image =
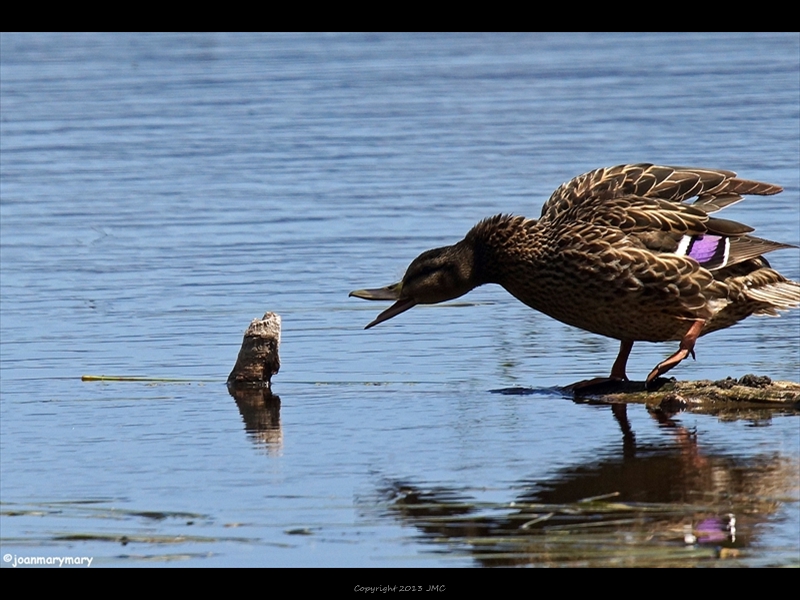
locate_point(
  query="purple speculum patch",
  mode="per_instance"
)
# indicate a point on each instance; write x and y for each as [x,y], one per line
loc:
[708,250]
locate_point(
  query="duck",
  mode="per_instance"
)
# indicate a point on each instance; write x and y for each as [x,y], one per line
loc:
[620,252]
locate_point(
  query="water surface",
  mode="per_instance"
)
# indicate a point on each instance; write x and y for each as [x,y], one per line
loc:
[157,192]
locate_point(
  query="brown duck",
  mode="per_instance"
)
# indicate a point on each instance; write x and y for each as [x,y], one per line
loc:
[617,252]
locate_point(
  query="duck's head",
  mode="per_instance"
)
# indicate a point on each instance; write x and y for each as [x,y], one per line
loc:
[434,276]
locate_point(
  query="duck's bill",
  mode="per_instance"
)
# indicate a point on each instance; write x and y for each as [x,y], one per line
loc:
[394,310]
[390,292]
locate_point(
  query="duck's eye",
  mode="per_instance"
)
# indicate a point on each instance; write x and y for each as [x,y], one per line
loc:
[421,273]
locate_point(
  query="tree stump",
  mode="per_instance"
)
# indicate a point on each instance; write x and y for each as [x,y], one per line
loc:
[258,358]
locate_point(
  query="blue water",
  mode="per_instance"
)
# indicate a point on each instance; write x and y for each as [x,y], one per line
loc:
[157,192]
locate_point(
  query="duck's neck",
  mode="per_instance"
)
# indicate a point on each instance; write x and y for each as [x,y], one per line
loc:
[500,245]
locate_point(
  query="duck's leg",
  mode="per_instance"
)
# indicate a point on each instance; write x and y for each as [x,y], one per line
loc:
[617,370]
[686,348]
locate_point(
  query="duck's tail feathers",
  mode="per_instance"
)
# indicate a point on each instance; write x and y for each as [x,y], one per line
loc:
[780,295]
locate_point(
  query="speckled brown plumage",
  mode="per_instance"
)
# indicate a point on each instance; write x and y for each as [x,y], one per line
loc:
[618,252]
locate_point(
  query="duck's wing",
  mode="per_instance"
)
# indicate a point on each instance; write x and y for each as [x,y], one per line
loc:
[646,203]
[714,188]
